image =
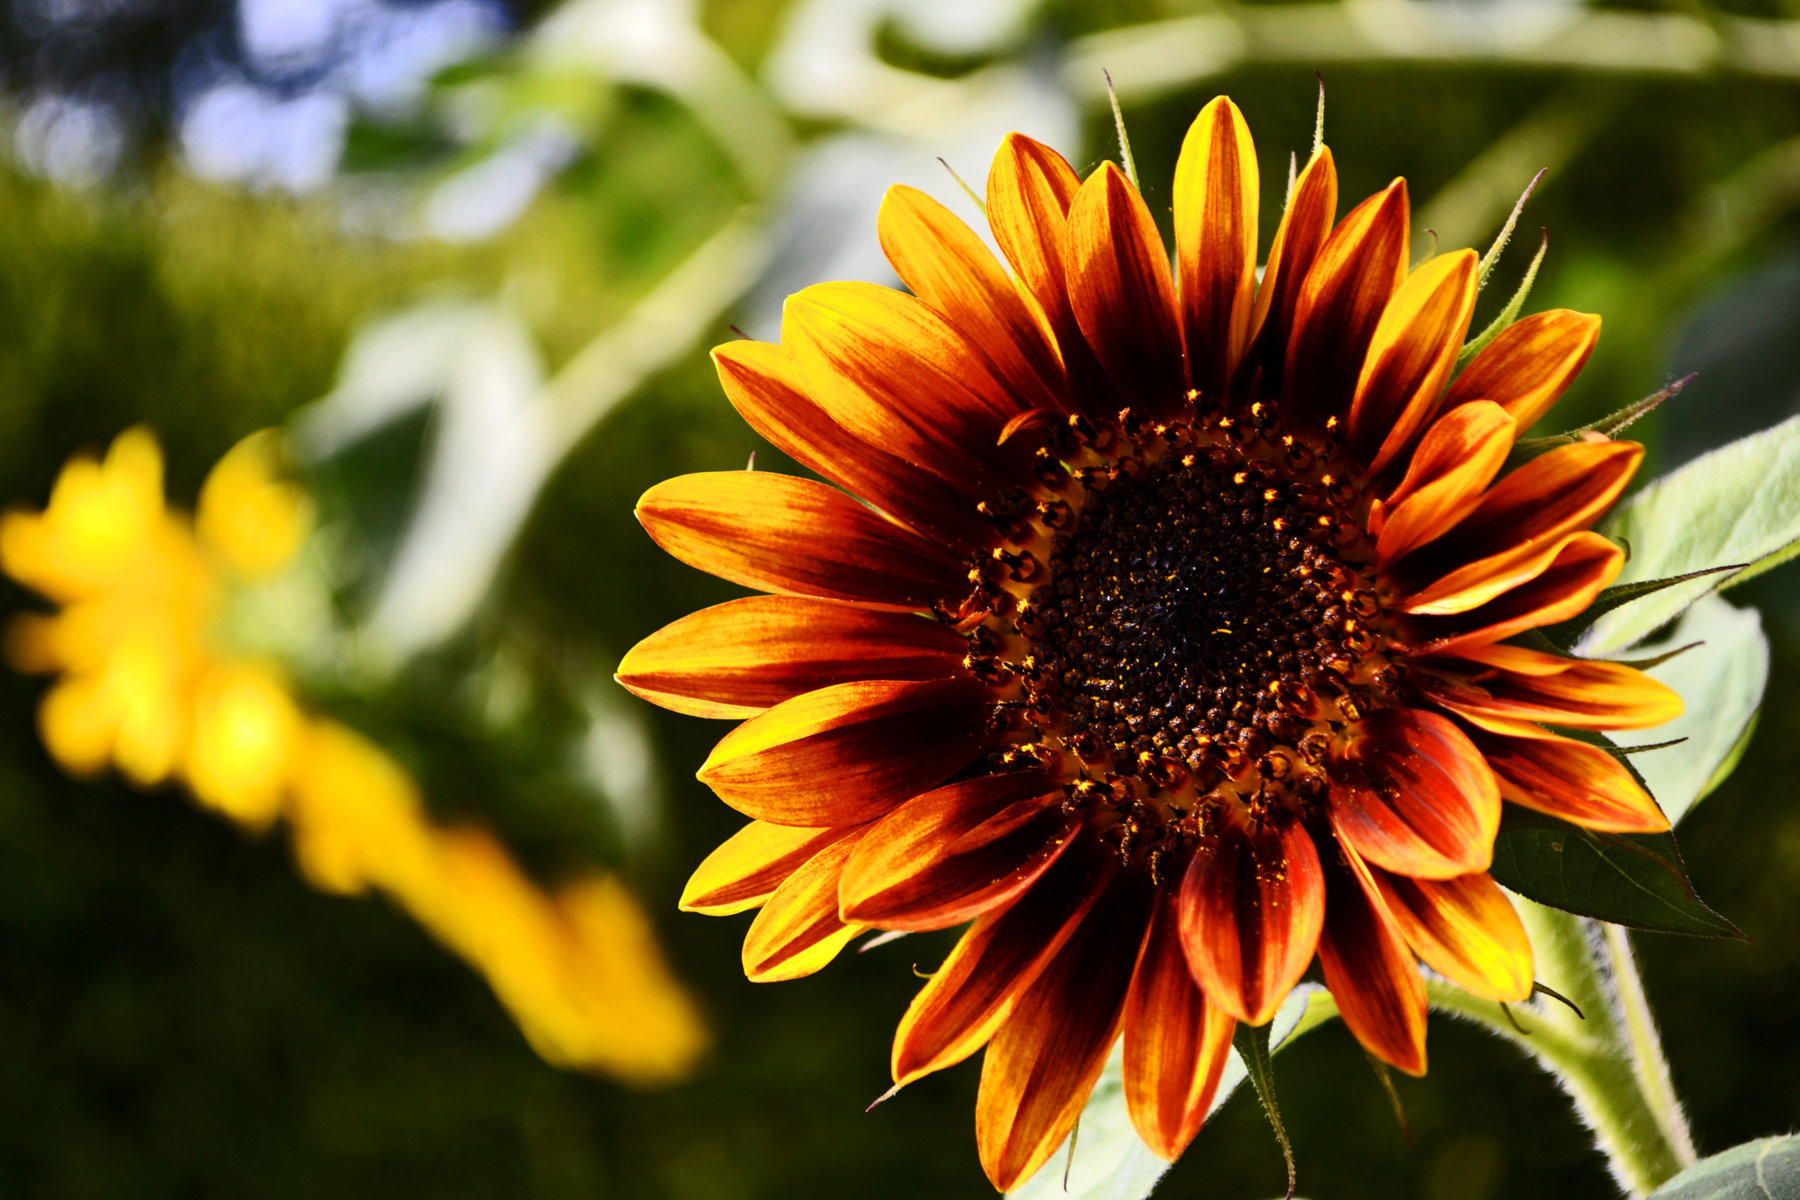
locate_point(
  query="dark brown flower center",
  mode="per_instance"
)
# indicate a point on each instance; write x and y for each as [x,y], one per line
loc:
[1185,617]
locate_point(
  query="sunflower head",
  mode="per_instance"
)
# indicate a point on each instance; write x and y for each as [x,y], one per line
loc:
[1172,626]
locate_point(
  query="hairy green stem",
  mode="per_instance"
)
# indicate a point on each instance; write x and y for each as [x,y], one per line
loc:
[1609,1059]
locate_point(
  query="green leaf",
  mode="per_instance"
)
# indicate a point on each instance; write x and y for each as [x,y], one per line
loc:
[1110,1162]
[1721,681]
[1739,504]
[1768,1169]
[1628,879]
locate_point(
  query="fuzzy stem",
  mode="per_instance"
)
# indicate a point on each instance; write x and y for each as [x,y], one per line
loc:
[1611,1063]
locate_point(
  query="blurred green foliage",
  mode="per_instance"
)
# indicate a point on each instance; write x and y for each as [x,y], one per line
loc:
[181,1016]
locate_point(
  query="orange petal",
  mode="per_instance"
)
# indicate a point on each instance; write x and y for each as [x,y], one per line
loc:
[777,533]
[1215,241]
[899,375]
[980,983]
[765,386]
[1122,292]
[1528,685]
[1044,1061]
[798,930]
[739,658]
[1368,968]
[1518,529]
[1530,365]
[849,753]
[1569,779]
[1465,929]
[1176,1043]
[1302,231]
[952,854]
[1410,355]
[945,264]
[1584,565]
[750,864]
[1358,268]
[1250,916]
[1456,460]
[1029,190]
[1414,795]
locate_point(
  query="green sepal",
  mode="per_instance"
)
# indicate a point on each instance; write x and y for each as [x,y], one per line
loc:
[1564,634]
[1609,426]
[1252,1043]
[1632,879]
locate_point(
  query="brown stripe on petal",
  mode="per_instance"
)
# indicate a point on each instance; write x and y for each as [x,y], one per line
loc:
[764,384]
[1583,567]
[1517,529]
[850,753]
[1368,968]
[954,853]
[1414,795]
[1250,909]
[1303,229]
[1041,1065]
[1455,461]
[1410,355]
[740,658]
[947,266]
[798,930]
[1216,190]
[798,537]
[1465,929]
[1123,293]
[1530,365]
[1002,954]
[749,865]
[1176,1043]
[1569,779]
[1358,268]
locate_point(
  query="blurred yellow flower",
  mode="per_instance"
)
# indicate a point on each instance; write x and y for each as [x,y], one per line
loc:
[144,685]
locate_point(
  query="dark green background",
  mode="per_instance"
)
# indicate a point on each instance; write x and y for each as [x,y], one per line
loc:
[181,1016]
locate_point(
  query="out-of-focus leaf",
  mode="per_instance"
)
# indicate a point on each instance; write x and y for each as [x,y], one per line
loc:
[1629,879]
[1721,681]
[1110,1162]
[1739,504]
[1768,1169]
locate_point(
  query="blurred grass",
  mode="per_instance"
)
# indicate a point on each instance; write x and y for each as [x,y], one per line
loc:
[180,1016]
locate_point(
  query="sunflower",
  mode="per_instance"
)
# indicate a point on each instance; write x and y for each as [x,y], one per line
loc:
[1165,625]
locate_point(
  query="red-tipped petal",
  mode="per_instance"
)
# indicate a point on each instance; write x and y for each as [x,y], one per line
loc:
[1041,1065]
[1410,355]
[1002,954]
[1251,909]
[764,384]
[1528,367]
[1304,227]
[1569,779]
[780,534]
[1368,968]
[1529,685]
[1357,270]
[1465,929]
[1456,460]
[1176,1043]
[1123,294]
[749,865]
[799,930]
[1414,795]
[740,658]
[1215,241]
[954,853]
[850,753]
